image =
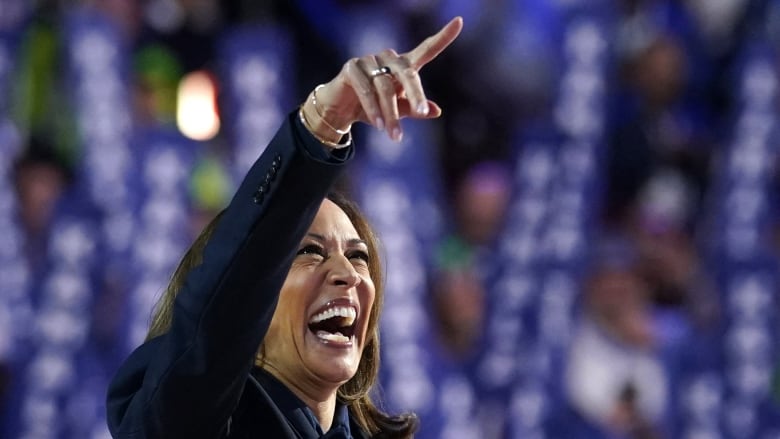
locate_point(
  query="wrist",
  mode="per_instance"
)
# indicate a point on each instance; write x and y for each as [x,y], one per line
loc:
[329,132]
[320,131]
[334,118]
[324,122]
[316,125]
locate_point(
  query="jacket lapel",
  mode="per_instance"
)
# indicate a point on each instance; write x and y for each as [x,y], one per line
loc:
[257,413]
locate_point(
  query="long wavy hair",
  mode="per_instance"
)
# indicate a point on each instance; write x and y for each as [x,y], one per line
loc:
[355,393]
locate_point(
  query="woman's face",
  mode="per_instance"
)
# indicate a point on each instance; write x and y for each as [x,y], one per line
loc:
[318,332]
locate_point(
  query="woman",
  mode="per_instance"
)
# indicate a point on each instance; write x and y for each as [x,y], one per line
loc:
[269,326]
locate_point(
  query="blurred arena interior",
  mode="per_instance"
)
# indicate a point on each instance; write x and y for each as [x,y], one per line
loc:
[584,245]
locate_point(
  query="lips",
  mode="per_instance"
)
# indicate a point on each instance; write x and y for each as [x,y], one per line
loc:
[334,323]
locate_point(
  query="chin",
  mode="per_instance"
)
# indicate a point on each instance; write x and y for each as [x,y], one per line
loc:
[334,370]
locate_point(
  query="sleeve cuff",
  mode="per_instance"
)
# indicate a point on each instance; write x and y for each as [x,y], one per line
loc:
[314,149]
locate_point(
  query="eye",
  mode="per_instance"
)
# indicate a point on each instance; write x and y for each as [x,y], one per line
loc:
[312,249]
[359,255]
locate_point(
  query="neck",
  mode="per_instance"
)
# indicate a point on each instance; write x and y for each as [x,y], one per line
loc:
[323,411]
[319,399]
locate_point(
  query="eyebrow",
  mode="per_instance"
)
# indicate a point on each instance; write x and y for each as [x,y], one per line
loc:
[352,242]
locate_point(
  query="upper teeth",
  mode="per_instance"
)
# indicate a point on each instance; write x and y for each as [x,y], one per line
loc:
[340,311]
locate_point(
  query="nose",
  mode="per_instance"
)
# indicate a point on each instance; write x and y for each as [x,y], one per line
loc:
[342,272]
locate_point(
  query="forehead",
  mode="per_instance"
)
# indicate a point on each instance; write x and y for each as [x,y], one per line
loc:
[332,222]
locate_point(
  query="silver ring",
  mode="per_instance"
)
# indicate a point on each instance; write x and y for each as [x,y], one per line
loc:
[384,70]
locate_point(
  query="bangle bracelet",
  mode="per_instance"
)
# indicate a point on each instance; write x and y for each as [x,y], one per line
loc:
[317,110]
[325,142]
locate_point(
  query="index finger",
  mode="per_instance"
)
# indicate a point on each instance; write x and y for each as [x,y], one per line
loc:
[432,46]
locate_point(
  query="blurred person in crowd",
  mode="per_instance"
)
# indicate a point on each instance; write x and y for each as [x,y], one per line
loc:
[40,179]
[481,200]
[657,129]
[658,173]
[457,302]
[615,379]
[683,295]
[270,324]
[157,76]
[458,295]
[711,33]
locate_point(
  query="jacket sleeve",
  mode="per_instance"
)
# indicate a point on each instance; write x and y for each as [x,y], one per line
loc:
[187,382]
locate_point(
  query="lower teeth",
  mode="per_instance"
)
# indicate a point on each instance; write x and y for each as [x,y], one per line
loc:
[339,337]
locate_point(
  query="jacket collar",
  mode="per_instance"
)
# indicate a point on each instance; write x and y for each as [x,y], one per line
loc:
[299,416]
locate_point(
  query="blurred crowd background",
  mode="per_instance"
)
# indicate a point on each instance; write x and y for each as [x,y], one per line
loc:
[585,244]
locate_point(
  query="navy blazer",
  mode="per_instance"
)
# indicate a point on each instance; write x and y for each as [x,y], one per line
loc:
[195,381]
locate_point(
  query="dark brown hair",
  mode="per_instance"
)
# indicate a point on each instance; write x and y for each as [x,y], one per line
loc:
[355,393]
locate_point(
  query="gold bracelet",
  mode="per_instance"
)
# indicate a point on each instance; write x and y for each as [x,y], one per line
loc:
[325,142]
[317,110]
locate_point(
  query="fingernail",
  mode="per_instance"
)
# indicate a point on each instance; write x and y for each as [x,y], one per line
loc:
[397,135]
[423,108]
[379,123]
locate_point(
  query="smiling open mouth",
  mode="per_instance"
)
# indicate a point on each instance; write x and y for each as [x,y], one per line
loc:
[334,324]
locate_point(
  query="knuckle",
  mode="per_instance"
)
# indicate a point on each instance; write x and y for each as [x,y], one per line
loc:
[410,73]
[384,86]
[352,65]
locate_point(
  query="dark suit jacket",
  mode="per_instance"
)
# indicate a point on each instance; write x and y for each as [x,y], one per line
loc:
[195,381]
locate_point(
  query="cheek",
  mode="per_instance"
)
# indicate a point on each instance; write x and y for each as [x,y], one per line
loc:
[368,290]
[367,299]
[291,305]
